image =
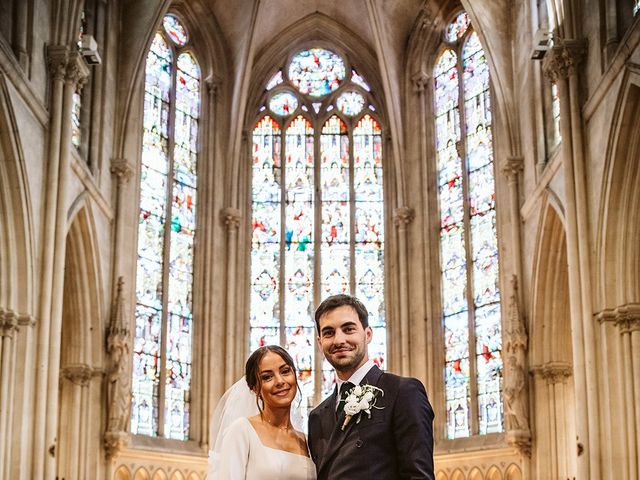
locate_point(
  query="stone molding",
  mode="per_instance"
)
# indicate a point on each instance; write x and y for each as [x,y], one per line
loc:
[562,59]
[512,167]
[420,81]
[403,216]
[554,372]
[121,168]
[79,374]
[10,322]
[213,83]
[67,64]
[231,217]
[625,317]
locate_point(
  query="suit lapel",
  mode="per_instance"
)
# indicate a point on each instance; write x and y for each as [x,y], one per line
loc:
[338,436]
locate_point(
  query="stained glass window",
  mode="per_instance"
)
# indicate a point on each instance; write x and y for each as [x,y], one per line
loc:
[76,102]
[317,223]
[468,239]
[283,103]
[275,80]
[164,321]
[316,72]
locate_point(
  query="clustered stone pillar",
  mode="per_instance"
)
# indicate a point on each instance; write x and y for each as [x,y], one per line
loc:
[402,217]
[231,218]
[68,72]
[560,66]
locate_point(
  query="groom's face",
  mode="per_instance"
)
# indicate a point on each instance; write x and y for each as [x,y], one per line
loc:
[343,340]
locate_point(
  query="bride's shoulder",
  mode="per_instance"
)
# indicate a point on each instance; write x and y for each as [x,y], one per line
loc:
[237,427]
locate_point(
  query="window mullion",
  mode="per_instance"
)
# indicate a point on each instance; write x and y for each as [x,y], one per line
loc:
[317,252]
[283,231]
[166,254]
[352,216]
[462,149]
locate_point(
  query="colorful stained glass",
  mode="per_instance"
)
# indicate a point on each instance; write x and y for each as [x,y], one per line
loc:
[294,260]
[555,111]
[283,103]
[350,103]
[275,80]
[358,80]
[470,293]
[458,27]
[76,109]
[175,30]
[164,289]
[316,72]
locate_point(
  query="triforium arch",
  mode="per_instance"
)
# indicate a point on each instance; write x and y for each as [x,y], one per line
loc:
[550,351]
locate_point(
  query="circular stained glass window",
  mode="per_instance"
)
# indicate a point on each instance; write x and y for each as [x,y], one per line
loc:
[283,103]
[316,72]
[350,103]
[175,30]
[456,29]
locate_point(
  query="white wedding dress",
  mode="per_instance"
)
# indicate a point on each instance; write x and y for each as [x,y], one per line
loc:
[244,457]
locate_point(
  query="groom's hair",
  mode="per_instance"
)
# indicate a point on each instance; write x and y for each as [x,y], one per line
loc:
[336,301]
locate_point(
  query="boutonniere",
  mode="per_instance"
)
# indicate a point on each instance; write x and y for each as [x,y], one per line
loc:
[362,398]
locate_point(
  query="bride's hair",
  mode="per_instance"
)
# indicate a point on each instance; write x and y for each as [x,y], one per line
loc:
[252,372]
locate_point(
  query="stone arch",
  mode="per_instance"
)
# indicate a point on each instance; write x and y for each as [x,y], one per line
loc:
[618,249]
[513,472]
[80,350]
[177,475]
[159,475]
[457,475]
[17,250]
[551,356]
[441,476]
[475,474]
[193,476]
[493,473]
[122,474]
[141,474]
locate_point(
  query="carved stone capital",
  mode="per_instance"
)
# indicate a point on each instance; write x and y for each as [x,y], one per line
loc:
[121,169]
[403,216]
[57,58]
[563,59]
[420,81]
[114,443]
[554,372]
[628,318]
[521,439]
[77,70]
[9,322]
[512,167]
[231,218]
[212,83]
[78,374]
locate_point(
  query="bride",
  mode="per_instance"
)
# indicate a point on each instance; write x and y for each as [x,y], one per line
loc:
[254,437]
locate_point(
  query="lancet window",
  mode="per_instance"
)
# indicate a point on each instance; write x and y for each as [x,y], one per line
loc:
[162,348]
[468,241]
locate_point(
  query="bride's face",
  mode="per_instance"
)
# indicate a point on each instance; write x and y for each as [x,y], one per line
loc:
[277,381]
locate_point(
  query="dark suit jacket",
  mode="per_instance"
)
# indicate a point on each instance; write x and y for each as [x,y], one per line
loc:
[395,443]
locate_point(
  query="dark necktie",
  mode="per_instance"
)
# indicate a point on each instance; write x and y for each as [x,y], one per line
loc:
[345,389]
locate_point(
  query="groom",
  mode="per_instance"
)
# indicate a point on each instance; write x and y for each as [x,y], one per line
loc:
[396,441]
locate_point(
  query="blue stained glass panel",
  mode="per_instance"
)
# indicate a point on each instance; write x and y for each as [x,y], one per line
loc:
[316,72]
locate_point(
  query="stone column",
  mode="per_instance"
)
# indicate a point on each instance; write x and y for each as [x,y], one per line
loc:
[67,70]
[560,66]
[231,218]
[79,375]
[8,330]
[402,217]
[19,33]
[75,74]
[627,320]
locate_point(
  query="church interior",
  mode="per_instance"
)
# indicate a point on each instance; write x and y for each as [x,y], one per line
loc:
[183,181]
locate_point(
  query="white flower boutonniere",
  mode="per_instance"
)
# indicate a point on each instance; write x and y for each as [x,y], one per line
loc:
[362,398]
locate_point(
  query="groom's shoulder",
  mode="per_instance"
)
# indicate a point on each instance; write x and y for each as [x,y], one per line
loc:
[399,382]
[321,406]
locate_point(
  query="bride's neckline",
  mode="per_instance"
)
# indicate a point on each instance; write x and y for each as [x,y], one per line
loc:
[271,448]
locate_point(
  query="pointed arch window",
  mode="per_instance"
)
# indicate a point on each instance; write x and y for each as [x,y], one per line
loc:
[468,237]
[317,202]
[163,338]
